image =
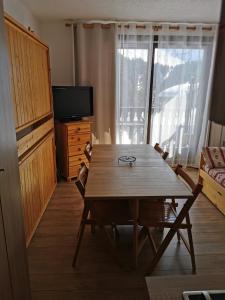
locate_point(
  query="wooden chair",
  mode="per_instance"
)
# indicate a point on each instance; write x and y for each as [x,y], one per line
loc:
[101,213]
[161,214]
[164,154]
[88,150]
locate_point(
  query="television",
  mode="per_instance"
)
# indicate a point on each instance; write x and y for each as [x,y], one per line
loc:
[72,102]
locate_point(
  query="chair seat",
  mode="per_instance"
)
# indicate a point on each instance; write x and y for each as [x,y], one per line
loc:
[158,213]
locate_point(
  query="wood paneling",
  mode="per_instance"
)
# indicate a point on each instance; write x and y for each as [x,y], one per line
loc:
[29,75]
[11,212]
[213,190]
[37,175]
[29,140]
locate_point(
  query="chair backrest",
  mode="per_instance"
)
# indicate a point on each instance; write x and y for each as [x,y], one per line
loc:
[82,178]
[195,188]
[88,150]
[164,154]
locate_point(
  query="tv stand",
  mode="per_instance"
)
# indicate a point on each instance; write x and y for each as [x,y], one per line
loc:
[71,139]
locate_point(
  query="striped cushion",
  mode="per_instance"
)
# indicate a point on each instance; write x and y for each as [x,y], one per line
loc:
[214,157]
[217,174]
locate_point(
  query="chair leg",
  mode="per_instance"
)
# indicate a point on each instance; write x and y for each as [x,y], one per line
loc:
[111,243]
[135,245]
[192,253]
[152,242]
[93,228]
[116,233]
[93,224]
[80,235]
[174,207]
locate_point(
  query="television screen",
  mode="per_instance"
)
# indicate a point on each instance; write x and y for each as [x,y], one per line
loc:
[71,102]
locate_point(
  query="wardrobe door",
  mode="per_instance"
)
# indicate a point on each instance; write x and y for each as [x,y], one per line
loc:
[38,180]
[12,238]
[29,72]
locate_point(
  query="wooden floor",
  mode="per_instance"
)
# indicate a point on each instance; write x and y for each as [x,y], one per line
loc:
[98,276]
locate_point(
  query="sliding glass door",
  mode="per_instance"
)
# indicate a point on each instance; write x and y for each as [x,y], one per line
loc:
[134,52]
[179,93]
[163,90]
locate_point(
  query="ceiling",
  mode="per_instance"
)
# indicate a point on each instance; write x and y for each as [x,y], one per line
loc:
[133,10]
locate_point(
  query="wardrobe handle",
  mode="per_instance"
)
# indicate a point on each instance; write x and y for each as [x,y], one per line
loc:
[2,170]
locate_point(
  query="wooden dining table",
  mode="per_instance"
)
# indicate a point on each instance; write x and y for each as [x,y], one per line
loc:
[149,177]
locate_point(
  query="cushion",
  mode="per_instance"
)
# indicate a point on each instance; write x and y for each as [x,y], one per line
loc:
[214,157]
[218,174]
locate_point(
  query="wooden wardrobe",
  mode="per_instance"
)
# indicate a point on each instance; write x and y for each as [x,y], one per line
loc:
[34,126]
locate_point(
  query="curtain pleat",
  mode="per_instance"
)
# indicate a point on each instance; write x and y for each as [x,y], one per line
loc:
[95,66]
[181,95]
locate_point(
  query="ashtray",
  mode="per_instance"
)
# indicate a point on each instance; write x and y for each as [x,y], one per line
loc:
[127,159]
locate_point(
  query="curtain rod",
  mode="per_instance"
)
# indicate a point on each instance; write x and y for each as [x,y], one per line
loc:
[74,22]
[154,27]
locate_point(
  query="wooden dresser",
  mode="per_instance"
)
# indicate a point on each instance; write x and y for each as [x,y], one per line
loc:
[71,138]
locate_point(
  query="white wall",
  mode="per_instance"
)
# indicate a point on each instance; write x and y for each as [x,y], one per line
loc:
[20,12]
[59,39]
[217,135]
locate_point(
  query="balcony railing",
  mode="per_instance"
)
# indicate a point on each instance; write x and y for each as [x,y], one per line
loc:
[131,125]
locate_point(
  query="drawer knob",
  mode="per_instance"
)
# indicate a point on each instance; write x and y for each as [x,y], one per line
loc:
[80,159]
[78,139]
[79,149]
[78,129]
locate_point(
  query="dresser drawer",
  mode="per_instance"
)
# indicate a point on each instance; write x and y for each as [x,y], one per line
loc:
[73,171]
[77,160]
[74,129]
[76,150]
[78,139]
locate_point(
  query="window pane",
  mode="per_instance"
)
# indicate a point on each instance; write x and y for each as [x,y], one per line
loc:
[133,77]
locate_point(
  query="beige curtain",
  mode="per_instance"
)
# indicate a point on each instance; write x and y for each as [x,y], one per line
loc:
[95,66]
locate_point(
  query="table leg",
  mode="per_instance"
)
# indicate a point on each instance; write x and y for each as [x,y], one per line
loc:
[183,213]
[134,206]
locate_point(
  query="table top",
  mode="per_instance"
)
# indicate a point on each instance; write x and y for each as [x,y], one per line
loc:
[149,177]
[173,286]
[107,155]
